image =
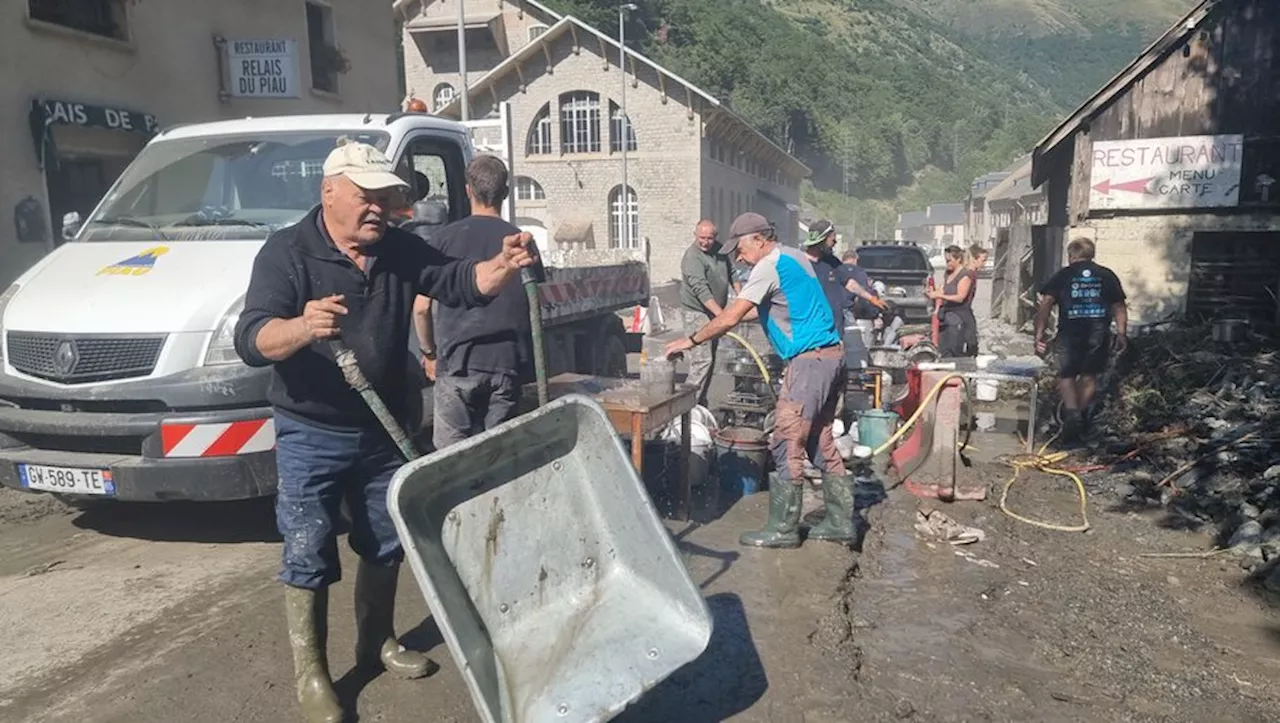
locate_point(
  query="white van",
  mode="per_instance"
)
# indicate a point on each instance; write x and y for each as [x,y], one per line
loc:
[117,373]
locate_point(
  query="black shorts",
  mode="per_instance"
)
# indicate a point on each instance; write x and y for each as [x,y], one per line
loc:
[1083,353]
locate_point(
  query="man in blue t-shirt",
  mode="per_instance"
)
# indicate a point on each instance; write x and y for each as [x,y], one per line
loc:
[800,326]
[1089,297]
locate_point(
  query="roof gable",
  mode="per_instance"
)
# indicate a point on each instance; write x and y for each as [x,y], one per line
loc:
[405,6]
[1125,79]
[572,25]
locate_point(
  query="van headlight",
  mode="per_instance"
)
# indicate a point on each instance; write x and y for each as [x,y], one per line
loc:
[5,298]
[222,349]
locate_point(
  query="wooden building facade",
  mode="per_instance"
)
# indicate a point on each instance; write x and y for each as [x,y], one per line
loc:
[1171,169]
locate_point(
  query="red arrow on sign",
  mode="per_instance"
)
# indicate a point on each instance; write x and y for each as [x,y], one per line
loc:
[1139,186]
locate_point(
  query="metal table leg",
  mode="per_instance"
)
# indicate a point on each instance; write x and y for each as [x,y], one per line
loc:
[684,484]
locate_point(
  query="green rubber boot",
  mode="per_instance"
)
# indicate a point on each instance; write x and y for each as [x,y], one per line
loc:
[783,528]
[376,644]
[837,497]
[307,613]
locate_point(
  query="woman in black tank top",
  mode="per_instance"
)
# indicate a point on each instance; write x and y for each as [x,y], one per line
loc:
[958,324]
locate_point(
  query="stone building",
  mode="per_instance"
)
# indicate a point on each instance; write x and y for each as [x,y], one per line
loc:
[87,82]
[1171,168]
[688,155]
[938,226]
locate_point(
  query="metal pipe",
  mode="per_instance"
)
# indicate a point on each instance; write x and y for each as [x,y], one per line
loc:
[462,60]
[626,125]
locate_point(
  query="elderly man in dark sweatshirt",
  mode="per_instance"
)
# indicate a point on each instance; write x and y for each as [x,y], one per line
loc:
[705,278]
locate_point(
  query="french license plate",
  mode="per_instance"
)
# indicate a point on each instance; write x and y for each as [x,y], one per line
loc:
[69,480]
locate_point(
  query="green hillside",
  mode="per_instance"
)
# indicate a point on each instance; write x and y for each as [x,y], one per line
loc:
[896,103]
[1070,47]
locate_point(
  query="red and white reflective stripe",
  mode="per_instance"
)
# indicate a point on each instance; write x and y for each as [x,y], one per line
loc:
[218,440]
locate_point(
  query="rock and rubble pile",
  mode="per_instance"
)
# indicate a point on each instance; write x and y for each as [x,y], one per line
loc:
[1194,424]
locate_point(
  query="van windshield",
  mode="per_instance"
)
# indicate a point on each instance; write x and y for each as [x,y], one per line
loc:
[218,187]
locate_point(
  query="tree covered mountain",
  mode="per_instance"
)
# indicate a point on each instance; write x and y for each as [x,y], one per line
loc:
[893,103]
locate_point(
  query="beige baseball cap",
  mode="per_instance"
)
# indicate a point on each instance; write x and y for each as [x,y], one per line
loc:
[366,166]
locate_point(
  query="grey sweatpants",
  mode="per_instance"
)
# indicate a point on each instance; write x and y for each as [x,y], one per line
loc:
[470,404]
[702,358]
[811,389]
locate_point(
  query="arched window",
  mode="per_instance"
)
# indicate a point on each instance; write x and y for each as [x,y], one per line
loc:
[619,128]
[536,31]
[528,189]
[442,96]
[539,142]
[580,122]
[624,219]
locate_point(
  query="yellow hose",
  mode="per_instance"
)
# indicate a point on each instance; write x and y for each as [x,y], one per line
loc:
[1044,463]
[750,350]
[1038,461]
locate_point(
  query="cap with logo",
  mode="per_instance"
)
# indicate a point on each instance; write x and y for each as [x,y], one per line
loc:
[818,232]
[366,166]
[744,225]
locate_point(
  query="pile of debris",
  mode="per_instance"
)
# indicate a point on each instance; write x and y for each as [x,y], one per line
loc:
[1194,423]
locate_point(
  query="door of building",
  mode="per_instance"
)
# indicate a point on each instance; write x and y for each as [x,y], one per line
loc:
[1235,274]
[77,183]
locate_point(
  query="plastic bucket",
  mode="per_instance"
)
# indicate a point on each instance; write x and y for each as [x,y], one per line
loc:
[987,390]
[741,453]
[876,426]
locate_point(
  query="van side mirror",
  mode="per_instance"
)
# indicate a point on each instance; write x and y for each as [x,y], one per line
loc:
[70,225]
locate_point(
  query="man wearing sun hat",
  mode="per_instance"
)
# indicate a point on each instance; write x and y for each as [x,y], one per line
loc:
[343,272]
[801,328]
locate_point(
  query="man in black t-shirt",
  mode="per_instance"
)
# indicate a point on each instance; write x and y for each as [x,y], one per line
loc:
[478,358]
[1089,297]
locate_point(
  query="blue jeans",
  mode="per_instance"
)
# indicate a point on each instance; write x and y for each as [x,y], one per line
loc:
[318,469]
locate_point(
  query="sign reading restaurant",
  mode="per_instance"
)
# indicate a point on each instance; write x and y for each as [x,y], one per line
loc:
[1183,172]
[263,68]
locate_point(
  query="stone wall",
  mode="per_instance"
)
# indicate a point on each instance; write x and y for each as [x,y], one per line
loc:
[166,68]
[1152,254]
[432,58]
[663,170]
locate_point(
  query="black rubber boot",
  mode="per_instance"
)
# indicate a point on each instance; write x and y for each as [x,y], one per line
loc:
[307,613]
[837,497]
[783,527]
[376,644]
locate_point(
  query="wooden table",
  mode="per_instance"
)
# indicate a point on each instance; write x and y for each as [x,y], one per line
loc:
[638,413]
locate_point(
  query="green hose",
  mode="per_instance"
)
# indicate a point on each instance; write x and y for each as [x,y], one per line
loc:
[535,324]
[346,360]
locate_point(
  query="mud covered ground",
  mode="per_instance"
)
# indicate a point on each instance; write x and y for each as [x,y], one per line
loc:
[169,613]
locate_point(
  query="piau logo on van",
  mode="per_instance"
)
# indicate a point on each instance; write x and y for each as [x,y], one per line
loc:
[135,265]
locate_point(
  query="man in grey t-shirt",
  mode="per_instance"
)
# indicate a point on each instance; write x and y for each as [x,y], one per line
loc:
[705,278]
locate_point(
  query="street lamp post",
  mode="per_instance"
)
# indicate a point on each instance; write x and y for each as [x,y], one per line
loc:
[626,123]
[462,60]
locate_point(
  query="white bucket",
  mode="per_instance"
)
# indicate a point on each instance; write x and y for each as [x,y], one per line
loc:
[987,390]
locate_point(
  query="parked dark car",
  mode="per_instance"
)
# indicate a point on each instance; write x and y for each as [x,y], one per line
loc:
[904,269]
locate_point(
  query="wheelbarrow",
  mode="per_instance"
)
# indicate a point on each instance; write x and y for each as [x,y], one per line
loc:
[558,590]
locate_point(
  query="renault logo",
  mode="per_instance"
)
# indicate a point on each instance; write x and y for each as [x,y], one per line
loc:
[65,358]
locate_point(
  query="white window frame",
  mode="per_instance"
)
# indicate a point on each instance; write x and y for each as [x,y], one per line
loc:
[536,31]
[539,141]
[528,190]
[618,125]
[616,216]
[437,102]
[579,122]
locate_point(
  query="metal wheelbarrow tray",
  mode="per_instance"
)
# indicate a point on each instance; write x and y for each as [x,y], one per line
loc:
[556,586]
